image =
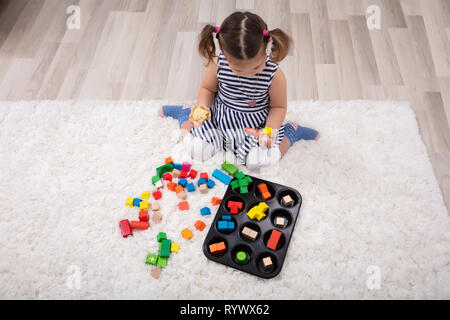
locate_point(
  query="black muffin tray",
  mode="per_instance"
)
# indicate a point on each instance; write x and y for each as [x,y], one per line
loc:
[255,250]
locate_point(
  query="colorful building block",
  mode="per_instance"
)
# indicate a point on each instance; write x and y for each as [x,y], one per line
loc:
[177,166]
[162,262]
[151,259]
[171,186]
[185,166]
[179,188]
[146,195]
[205,211]
[226,217]
[199,225]
[165,248]
[161,236]
[201,181]
[143,205]
[167,176]
[217,248]
[216,201]
[129,202]
[186,233]
[183,174]
[203,188]
[267,262]
[190,187]
[210,183]
[182,195]
[287,201]
[229,168]
[204,175]
[157,195]
[125,227]
[136,202]
[175,173]
[155,179]
[222,177]
[279,222]
[157,217]
[167,160]
[274,239]
[249,233]
[168,167]
[155,206]
[234,206]
[143,215]
[183,205]
[174,247]
[140,225]
[262,187]
[192,174]
[241,257]
[182,182]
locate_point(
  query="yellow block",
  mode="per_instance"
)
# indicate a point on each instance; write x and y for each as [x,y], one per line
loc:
[263,206]
[143,205]
[260,215]
[129,202]
[253,212]
[267,130]
[146,195]
[174,247]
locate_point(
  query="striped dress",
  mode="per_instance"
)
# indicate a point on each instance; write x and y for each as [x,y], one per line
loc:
[231,112]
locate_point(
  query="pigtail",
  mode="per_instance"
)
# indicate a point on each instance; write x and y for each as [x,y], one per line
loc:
[281,42]
[206,46]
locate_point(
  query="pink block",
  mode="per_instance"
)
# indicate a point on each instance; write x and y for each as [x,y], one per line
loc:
[185,166]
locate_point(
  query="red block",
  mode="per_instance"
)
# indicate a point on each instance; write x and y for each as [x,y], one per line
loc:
[157,195]
[204,175]
[141,225]
[167,176]
[126,228]
[183,174]
[183,205]
[200,225]
[143,215]
[192,174]
[235,204]
[273,240]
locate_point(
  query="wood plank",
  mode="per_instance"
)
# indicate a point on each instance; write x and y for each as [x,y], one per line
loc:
[439,128]
[10,12]
[323,46]
[328,82]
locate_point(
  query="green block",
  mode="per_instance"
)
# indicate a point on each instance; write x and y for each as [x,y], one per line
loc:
[243,189]
[240,175]
[168,167]
[162,262]
[164,250]
[161,236]
[155,179]
[243,183]
[151,259]
[241,256]
[234,184]
[229,168]
[248,179]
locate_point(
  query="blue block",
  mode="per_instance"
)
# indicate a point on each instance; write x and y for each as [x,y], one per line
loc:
[222,225]
[177,166]
[219,175]
[201,181]
[226,217]
[182,182]
[136,202]
[190,187]
[230,225]
[210,183]
[205,211]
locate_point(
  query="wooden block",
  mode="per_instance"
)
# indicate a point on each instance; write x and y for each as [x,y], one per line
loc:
[157,217]
[175,173]
[156,272]
[167,160]
[155,206]
[179,188]
[174,247]
[143,215]
[182,195]
[249,234]
[143,205]
[183,205]
[287,201]
[146,195]
[203,188]
[141,225]
[267,262]
[159,185]
[171,186]
[216,201]
[279,221]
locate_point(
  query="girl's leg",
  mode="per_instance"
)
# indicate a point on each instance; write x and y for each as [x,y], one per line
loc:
[294,132]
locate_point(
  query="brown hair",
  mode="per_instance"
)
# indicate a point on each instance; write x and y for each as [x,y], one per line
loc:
[241,35]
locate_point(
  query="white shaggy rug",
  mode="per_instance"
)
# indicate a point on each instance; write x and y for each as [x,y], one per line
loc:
[373,223]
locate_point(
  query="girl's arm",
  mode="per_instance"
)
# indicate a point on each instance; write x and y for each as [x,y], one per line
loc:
[278,102]
[208,89]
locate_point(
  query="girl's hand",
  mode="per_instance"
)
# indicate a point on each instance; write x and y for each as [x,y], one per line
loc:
[267,138]
[199,113]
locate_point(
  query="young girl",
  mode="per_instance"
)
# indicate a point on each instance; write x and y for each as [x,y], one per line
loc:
[243,88]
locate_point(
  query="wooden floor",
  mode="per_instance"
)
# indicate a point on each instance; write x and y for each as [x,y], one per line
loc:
[137,49]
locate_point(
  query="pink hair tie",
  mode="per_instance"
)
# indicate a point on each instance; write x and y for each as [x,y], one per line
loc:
[217,29]
[266,33]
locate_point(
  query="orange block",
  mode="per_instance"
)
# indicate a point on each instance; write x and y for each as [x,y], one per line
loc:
[186,233]
[264,191]
[171,186]
[183,205]
[179,188]
[168,159]
[141,225]
[200,225]
[216,201]
[218,247]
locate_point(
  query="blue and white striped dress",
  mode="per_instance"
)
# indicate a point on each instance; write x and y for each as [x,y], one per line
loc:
[231,112]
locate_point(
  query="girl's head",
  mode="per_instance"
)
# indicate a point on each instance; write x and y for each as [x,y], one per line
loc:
[242,40]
